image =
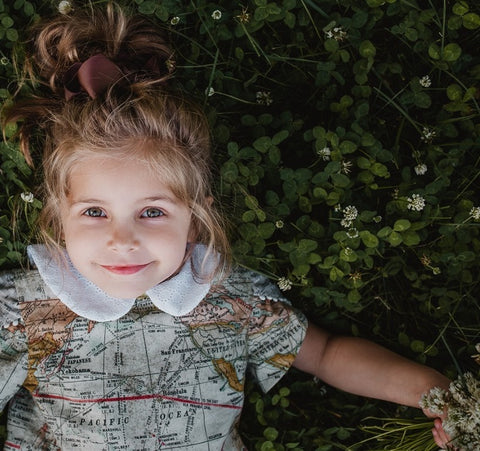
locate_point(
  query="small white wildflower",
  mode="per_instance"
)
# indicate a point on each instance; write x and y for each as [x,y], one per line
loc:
[352,233]
[4,61]
[348,251]
[324,153]
[337,208]
[420,169]
[336,33]
[346,166]
[428,134]
[377,219]
[434,400]
[395,193]
[64,7]
[279,224]
[425,81]
[27,197]
[174,20]
[475,213]
[244,16]
[350,212]
[355,277]
[426,260]
[284,284]
[170,63]
[264,98]
[217,14]
[209,92]
[416,202]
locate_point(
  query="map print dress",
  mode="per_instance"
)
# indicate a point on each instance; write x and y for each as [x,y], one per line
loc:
[146,381]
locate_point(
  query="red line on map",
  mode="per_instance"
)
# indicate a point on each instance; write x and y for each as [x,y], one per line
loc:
[12,445]
[134,398]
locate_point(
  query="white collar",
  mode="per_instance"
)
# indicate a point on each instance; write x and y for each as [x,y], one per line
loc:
[176,296]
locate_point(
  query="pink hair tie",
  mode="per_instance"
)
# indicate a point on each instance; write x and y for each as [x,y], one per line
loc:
[93,76]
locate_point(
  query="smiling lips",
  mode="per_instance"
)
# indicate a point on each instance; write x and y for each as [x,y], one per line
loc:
[125,269]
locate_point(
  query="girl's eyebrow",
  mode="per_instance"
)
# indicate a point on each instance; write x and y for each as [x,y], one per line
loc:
[171,199]
[164,198]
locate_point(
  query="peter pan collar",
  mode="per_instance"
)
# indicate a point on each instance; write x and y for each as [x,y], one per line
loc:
[177,296]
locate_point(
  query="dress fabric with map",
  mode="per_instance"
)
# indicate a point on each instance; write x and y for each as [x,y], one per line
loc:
[145,381]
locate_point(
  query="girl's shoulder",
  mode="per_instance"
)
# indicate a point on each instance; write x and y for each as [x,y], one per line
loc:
[249,284]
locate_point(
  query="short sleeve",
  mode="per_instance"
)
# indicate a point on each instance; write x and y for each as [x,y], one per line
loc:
[13,341]
[276,333]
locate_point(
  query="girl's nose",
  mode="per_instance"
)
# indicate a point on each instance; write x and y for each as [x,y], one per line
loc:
[122,238]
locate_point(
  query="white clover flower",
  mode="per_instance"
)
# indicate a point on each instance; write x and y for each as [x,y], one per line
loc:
[434,400]
[350,213]
[428,134]
[324,153]
[346,166]
[217,14]
[174,20]
[209,92]
[425,81]
[348,251]
[279,224]
[64,7]
[420,169]
[416,202]
[27,197]
[475,213]
[352,233]
[337,208]
[264,98]
[244,16]
[284,284]
[336,33]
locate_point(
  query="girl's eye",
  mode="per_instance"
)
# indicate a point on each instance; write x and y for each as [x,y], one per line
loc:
[152,213]
[94,212]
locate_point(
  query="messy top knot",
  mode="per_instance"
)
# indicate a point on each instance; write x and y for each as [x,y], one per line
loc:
[136,61]
[134,44]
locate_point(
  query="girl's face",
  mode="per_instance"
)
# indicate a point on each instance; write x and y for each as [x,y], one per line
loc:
[124,230]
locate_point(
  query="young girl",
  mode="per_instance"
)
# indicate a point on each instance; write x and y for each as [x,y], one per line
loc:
[131,332]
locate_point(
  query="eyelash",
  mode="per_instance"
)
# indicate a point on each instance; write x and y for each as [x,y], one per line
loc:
[96,212]
[88,212]
[158,212]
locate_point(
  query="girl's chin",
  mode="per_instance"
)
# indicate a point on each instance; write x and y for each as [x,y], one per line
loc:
[124,294]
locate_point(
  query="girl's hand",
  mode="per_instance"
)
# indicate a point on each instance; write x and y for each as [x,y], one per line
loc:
[442,439]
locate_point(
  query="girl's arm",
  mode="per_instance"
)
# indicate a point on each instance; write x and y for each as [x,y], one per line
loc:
[364,368]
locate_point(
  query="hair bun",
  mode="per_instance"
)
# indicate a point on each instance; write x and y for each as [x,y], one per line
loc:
[133,44]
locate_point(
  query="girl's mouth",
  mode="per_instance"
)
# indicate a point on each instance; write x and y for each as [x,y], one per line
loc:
[125,269]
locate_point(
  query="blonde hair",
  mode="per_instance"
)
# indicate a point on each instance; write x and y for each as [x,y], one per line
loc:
[139,116]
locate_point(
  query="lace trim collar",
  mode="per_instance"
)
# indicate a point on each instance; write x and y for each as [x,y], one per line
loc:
[176,296]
